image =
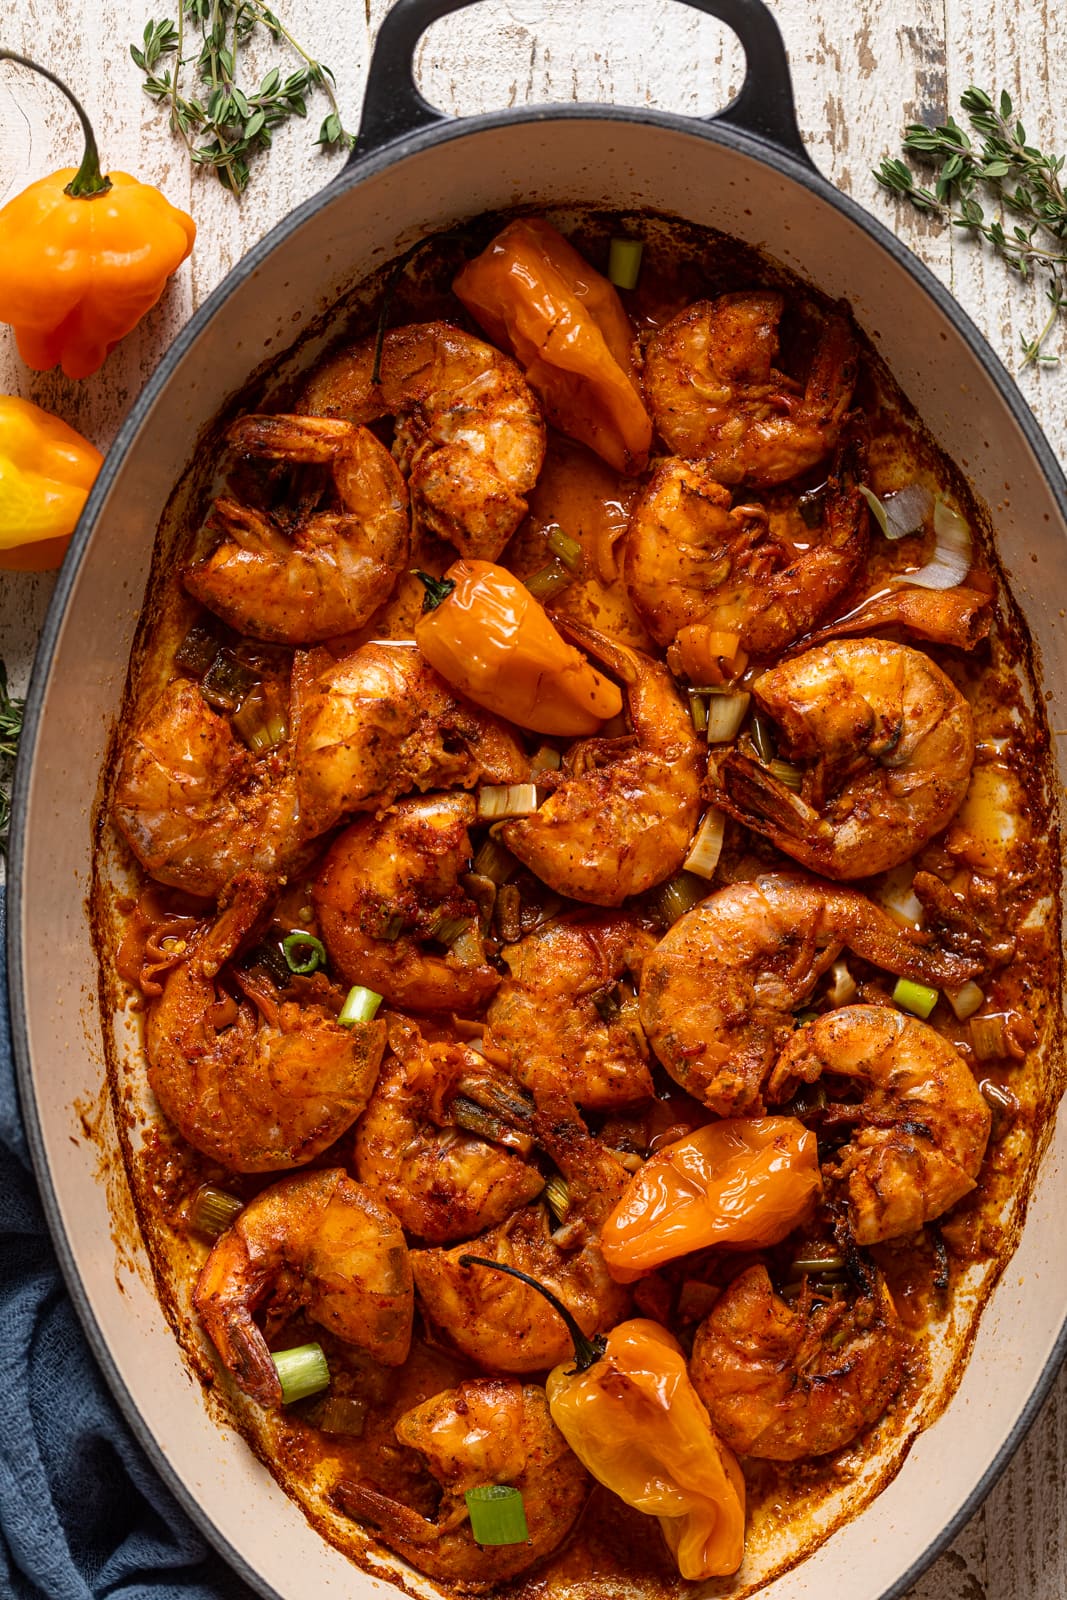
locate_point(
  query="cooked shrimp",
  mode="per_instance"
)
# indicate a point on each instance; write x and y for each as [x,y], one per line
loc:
[561,1009]
[194,805]
[961,617]
[442,1182]
[381,722]
[692,560]
[489,1430]
[782,1382]
[623,818]
[501,1323]
[469,432]
[719,991]
[329,572]
[258,1084]
[317,1243]
[921,1125]
[390,883]
[714,393]
[891,740]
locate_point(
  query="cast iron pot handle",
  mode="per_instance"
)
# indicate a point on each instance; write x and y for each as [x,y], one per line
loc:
[393,106]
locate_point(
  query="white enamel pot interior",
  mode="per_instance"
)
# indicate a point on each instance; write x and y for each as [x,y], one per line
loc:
[759,188]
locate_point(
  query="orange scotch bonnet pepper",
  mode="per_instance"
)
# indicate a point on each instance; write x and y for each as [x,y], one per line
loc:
[628,1410]
[489,638]
[742,1181]
[535,295]
[85,256]
[46,472]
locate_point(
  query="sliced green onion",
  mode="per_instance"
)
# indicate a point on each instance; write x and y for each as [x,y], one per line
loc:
[361,1005]
[966,1001]
[845,988]
[558,1196]
[914,997]
[546,759]
[497,1514]
[226,682]
[497,800]
[677,896]
[258,723]
[763,738]
[706,848]
[726,712]
[314,952]
[468,948]
[821,1264]
[877,508]
[549,581]
[988,1038]
[446,930]
[212,1211]
[624,262]
[698,710]
[508,913]
[566,549]
[198,649]
[786,773]
[952,555]
[341,1414]
[301,1371]
[493,861]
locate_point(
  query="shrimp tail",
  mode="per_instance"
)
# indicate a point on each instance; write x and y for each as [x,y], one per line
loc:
[752,795]
[611,653]
[398,1524]
[244,1353]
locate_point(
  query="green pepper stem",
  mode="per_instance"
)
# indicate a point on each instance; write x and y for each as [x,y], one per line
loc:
[586,1351]
[437,589]
[88,181]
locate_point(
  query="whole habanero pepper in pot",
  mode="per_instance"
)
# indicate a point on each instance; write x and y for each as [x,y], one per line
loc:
[85,256]
[533,294]
[487,636]
[629,1412]
[742,1181]
[46,472]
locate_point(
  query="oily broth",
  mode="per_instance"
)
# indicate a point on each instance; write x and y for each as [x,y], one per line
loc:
[792,1508]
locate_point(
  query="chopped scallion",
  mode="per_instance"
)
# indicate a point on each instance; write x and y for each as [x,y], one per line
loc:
[763,738]
[497,1514]
[361,1005]
[342,1415]
[546,758]
[496,800]
[677,896]
[624,262]
[966,1001]
[726,712]
[565,549]
[301,1371]
[303,952]
[494,862]
[786,773]
[698,710]
[212,1211]
[446,930]
[914,997]
[988,1038]
[706,848]
[549,581]
[558,1196]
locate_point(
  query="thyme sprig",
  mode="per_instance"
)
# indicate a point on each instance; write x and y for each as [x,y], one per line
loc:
[224,126]
[1029,226]
[11,710]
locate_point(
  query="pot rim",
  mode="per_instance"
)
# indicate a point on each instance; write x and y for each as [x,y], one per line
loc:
[715,131]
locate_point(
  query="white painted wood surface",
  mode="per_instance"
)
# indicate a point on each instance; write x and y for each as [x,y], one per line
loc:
[858,72]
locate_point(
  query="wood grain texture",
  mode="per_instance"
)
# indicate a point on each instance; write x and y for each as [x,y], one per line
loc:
[859,72]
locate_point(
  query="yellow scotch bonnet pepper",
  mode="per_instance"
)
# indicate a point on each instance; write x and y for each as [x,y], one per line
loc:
[85,256]
[628,1410]
[46,472]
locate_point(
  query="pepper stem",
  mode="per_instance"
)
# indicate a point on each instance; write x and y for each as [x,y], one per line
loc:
[88,181]
[437,589]
[586,1351]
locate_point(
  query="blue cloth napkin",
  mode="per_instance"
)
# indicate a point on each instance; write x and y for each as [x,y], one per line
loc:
[82,1513]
